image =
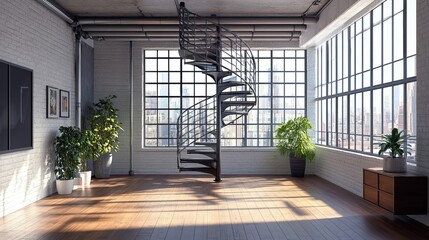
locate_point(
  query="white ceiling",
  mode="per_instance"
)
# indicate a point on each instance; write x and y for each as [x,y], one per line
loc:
[156,20]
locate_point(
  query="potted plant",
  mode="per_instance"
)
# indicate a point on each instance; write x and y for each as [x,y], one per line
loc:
[105,127]
[393,144]
[294,140]
[89,152]
[68,151]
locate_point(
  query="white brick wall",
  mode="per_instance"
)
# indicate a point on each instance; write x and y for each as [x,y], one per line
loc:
[33,37]
[422,155]
[343,168]
[112,76]
[311,87]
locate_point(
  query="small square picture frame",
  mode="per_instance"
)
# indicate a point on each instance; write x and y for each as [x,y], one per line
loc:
[52,102]
[64,104]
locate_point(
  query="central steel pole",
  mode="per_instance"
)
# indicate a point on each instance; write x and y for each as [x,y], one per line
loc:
[218,106]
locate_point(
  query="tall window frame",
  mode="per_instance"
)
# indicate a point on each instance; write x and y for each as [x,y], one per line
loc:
[366,80]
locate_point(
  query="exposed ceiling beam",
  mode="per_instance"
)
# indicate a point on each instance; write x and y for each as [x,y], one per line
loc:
[286,39]
[219,20]
[176,34]
[160,28]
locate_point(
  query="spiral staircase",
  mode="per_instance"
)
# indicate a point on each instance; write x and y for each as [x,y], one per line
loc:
[228,60]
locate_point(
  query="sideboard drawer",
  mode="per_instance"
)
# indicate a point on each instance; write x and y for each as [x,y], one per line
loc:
[370,194]
[385,183]
[386,201]
[370,178]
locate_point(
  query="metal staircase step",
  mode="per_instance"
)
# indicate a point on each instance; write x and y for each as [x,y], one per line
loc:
[230,112]
[198,56]
[216,75]
[224,85]
[226,95]
[208,144]
[203,65]
[227,104]
[203,161]
[200,169]
[207,152]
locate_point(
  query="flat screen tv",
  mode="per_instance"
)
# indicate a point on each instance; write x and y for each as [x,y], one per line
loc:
[16,107]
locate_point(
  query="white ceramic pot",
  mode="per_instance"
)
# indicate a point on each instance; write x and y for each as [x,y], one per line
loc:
[394,165]
[65,186]
[85,178]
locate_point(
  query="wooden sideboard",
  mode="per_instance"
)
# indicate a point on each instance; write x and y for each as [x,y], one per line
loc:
[399,193]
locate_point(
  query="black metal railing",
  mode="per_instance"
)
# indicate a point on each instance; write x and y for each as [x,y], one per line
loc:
[213,48]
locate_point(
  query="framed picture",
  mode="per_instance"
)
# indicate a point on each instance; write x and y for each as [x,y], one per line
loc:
[52,102]
[64,104]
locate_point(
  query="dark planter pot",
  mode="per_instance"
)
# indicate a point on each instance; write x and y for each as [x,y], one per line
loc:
[297,166]
[103,166]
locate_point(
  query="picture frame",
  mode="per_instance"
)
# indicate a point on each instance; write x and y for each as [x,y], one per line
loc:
[64,104]
[52,102]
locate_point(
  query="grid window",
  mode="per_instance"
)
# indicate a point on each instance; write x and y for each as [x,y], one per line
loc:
[171,87]
[364,91]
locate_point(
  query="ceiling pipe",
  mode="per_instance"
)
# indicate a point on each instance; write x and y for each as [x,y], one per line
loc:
[174,39]
[176,34]
[160,28]
[58,10]
[220,20]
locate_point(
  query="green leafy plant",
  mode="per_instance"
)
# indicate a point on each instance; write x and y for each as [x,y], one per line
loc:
[89,149]
[68,153]
[293,138]
[393,143]
[105,126]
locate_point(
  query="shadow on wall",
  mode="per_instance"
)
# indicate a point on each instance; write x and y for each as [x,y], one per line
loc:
[26,177]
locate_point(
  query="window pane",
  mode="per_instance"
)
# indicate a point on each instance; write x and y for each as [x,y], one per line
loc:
[398,5]
[377,112]
[290,65]
[398,70]
[387,41]
[387,9]
[278,77]
[366,50]
[377,53]
[150,65]
[174,64]
[411,117]
[411,27]
[387,110]
[398,36]
[398,107]
[162,64]
[358,53]
[150,53]
[278,65]
[411,67]
[377,118]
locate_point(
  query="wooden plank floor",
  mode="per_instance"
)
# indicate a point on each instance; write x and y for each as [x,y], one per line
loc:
[193,207]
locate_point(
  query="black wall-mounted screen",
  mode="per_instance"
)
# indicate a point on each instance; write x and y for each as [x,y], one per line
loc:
[4,102]
[20,108]
[16,107]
